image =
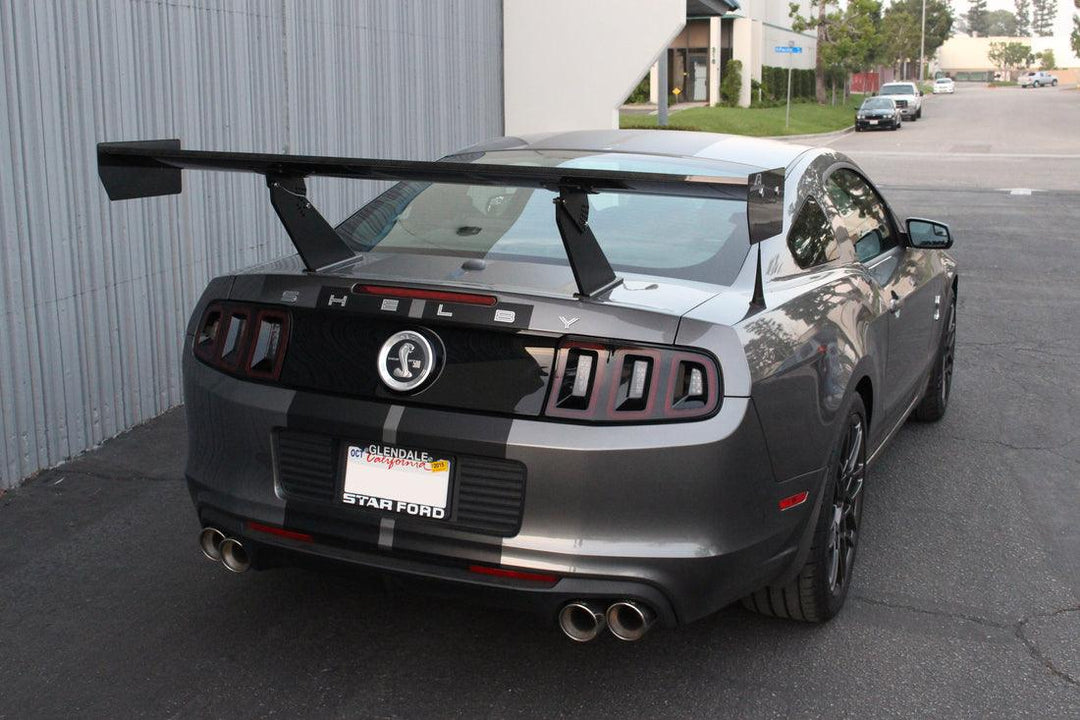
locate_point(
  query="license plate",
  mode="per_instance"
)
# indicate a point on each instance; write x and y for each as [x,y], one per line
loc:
[873,122]
[392,479]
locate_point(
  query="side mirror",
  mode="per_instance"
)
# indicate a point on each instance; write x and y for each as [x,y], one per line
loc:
[928,235]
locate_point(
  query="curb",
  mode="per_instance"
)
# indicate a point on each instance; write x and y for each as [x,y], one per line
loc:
[817,136]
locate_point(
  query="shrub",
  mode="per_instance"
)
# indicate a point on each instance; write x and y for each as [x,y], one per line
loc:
[731,83]
[641,92]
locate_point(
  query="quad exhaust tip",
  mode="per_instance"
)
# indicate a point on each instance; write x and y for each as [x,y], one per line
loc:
[210,540]
[629,620]
[234,556]
[580,621]
[230,552]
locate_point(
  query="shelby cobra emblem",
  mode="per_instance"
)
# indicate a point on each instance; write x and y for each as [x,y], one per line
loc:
[406,360]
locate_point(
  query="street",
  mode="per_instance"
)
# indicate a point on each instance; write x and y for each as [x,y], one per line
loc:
[966,598]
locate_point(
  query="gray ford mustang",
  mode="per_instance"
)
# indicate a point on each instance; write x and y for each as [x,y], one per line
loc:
[616,377]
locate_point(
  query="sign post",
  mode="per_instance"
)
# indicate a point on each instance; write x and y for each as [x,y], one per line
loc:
[790,49]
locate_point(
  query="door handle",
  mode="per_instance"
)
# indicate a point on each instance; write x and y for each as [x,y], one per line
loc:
[895,303]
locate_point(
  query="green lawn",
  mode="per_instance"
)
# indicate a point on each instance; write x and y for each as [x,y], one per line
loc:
[806,118]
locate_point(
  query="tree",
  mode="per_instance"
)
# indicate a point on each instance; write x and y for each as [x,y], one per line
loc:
[854,41]
[822,23]
[1047,60]
[1001,23]
[1009,55]
[901,29]
[978,19]
[1023,18]
[1074,39]
[1043,15]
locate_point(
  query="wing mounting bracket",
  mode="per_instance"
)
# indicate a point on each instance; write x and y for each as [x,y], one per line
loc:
[315,239]
[592,271]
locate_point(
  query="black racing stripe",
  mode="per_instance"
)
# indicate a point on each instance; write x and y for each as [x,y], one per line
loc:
[416,541]
[482,435]
[343,420]
[454,432]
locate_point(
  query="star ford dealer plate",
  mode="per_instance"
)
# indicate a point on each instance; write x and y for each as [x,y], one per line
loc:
[410,482]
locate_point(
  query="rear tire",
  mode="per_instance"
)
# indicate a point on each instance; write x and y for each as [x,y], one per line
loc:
[818,592]
[936,400]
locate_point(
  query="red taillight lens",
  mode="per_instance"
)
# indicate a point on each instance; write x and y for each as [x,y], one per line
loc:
[594,382]
[513,574]
[437,295]
[243,340]
[280,532]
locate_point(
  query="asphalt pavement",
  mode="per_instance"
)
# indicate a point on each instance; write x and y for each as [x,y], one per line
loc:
[965,603]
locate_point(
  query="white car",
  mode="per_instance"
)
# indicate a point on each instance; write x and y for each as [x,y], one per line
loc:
[1038,78]
[944,85]
[907,96]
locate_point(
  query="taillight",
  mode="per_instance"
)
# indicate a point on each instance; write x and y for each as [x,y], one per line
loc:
[598,382]
[243,339]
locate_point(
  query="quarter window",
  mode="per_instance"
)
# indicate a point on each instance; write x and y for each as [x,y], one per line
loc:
[863,213]
[811,239]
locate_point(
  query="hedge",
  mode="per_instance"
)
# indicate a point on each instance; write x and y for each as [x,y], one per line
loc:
[774,83]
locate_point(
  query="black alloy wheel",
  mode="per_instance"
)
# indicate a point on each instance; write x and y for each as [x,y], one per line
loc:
[846,508]
[818,592]
[932,407]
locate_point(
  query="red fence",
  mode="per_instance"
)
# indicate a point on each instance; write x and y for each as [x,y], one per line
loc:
[865,82]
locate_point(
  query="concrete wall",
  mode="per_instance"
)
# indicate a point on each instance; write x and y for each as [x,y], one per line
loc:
[569,64]
[969,53]
[93,295]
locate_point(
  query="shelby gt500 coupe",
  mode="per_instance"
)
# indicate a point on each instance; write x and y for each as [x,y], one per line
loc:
[616,377]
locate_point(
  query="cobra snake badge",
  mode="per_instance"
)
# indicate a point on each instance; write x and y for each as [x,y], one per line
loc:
[402,371]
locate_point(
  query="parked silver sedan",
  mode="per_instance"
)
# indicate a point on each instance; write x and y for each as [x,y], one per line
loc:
[616,377]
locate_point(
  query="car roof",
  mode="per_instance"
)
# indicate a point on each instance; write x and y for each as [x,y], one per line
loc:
[753,153]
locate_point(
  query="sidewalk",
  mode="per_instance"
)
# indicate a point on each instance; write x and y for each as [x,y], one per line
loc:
[651,109]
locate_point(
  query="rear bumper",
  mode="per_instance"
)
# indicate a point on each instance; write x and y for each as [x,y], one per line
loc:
[683,517]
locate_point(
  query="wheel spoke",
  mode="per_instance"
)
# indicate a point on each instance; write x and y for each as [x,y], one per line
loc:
[843,529]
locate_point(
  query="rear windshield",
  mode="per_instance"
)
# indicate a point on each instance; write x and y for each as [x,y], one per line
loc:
[897,90]
[686,238]
[878,104]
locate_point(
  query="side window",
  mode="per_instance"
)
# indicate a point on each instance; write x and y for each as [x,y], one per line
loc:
[863,213]
[811,239]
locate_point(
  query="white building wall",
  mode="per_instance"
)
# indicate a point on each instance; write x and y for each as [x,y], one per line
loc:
[94,296]
[569,64]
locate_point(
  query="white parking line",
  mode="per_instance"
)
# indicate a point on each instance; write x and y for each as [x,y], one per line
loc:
[964,156]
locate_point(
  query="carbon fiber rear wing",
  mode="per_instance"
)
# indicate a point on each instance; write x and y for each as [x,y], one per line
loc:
[151,168]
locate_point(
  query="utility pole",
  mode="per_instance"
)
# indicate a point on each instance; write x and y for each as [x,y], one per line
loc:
[791,53]
[922,43]
[661,90]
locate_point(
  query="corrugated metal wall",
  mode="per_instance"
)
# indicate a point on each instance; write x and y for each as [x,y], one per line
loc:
[94,296]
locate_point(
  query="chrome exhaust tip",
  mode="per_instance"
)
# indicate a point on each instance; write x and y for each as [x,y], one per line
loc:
[580,621]
[629,620]
[210,540]
[234,556]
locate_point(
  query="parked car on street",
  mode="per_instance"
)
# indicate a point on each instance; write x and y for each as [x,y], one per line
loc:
[617,377]
[908,98]
[944,85]
[1037,78]
[877,113]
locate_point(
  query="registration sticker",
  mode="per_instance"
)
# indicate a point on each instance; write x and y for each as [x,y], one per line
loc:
[392,479]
